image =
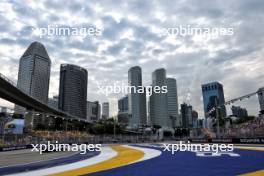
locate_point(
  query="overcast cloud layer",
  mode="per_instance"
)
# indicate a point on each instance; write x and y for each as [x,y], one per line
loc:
[131,36]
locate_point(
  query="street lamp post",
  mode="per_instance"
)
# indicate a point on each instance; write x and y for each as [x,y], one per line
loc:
[114,128]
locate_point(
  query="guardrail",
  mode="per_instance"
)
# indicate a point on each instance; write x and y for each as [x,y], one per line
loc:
[7,79]
[13,83]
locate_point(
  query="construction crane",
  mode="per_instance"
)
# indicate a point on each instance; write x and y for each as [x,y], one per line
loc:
[232,101]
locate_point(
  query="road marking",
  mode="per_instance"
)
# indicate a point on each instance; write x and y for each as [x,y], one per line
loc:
[149,153]
[257,173]
[126,155]
[249,148]
[106,153]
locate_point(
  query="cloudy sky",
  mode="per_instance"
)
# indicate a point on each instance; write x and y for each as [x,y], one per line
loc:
[131,35]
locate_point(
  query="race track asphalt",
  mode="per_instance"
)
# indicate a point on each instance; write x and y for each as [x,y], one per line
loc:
[129,161]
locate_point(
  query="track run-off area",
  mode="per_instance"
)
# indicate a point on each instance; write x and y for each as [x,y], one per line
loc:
[146,160]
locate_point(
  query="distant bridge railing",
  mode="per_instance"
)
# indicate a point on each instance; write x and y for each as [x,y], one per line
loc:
[7,79]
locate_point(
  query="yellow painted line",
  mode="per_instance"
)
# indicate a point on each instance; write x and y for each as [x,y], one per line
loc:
[256,145]
[125,156]
[251,148]
[257,173]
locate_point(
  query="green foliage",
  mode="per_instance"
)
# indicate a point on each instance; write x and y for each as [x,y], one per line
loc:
[180,132]
[156,126]
[244,119]
[106,127]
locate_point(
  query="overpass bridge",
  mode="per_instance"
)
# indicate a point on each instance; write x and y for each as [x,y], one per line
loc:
[11,93]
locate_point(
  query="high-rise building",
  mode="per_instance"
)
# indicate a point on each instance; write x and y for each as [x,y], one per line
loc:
[261,99]
[105,111]
[200,123]
[53,102]
[123,114]
[93,111]
[34,73]
[158,101]
[213,93]
[194,119]
[123,104]
[136,99]
[172,98]
[238,111]
[187,116]
[73,90]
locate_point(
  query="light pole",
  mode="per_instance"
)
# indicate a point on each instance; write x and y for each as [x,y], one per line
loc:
[114,128]
[32,119]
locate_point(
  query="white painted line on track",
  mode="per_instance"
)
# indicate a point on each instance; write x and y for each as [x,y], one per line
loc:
[106,153]
[148,153]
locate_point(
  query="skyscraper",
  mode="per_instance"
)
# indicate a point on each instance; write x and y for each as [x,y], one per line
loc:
[73,90]
[123,104]
[213,93]
[172,98]
[105,113]
[238,111]
[136,100]
[93,111]
[53,102]
[186,112]
[194,119]
[34,73]
[158,101]
[123,114]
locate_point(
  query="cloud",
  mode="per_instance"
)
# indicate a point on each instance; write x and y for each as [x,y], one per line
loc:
[131,36]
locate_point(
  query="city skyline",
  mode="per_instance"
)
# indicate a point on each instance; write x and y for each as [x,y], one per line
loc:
[128,39]
[116,111]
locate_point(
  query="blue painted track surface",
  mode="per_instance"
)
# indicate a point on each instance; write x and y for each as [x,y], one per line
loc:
[187,163]
[181,163]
